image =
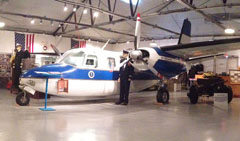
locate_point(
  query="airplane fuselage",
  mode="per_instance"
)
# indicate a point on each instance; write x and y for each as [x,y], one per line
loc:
[95,73]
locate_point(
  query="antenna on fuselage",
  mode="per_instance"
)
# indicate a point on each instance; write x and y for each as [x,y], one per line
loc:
[105,44]
[55,47]
[137,32]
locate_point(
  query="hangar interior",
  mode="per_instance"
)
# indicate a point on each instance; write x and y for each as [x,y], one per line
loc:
[42,26]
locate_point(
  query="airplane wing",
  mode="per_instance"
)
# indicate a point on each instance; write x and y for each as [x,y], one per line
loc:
[198,49]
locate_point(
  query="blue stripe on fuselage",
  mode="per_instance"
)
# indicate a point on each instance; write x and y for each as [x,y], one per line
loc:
[70,72]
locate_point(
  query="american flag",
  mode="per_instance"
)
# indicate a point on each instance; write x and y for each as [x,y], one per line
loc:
[26,40]
[78,44]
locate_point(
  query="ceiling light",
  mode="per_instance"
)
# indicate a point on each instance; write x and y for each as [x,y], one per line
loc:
[2,24]
[134,2]
[74,9]
[32,21]
[85,11]
[65,7]
[96,14]
[128,42]
[229,31]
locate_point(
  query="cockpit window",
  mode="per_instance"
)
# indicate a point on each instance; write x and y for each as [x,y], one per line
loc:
[91,61]
[74,59]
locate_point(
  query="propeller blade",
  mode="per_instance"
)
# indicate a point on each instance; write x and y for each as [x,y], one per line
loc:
[137,32]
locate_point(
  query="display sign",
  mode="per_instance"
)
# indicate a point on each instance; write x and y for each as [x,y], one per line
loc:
[62,86]
[234,76]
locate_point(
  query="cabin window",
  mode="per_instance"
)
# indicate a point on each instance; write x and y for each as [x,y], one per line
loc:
[111,63]
[91,61]
[74,59]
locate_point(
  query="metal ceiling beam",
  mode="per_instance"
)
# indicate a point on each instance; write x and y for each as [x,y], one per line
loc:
[183,3]
[65,22]
[119,20]
[165,5]
[66,19]
[114,14]
[110,9]
[91,14]
[187,10]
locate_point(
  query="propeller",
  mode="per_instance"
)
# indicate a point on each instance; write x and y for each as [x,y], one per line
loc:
[137,32]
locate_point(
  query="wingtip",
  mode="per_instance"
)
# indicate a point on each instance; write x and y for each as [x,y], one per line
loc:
[138,15]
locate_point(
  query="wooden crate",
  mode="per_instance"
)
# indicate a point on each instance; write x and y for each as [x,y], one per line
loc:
[235,87]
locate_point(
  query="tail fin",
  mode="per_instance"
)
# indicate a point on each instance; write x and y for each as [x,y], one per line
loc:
[137,32]
[185,33]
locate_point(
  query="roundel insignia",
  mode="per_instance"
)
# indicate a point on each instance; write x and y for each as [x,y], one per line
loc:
[91,74]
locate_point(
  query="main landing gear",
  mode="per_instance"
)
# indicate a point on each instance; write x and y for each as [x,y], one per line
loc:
[163,96]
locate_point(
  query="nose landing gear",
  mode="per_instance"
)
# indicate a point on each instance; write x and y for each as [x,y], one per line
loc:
[23,98]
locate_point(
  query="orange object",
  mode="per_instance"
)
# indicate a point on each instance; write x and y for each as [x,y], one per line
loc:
[235,87]
[62,86]
[9,84]
[199,76]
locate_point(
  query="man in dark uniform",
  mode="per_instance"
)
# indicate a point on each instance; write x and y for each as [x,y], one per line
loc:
[16,61]
[125,75]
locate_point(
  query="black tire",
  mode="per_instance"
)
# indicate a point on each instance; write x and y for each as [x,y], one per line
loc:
[193,94]
[230,94]
[22,100]
[162,96]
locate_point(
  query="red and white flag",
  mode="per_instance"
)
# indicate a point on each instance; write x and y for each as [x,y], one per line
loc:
[78,44]
[30,42]
[82,44]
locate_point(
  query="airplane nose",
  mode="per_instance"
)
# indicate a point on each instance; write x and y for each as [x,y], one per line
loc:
[53,68]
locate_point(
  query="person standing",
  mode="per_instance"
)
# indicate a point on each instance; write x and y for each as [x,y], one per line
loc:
[16,62]
[125,76]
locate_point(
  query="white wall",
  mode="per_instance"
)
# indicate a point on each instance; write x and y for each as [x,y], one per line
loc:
[63,44]
[7,43]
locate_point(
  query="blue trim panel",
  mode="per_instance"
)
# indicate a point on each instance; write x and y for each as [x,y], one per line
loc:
[169,69]
[70,72]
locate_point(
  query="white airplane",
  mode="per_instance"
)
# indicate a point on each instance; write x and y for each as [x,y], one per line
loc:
[92,72]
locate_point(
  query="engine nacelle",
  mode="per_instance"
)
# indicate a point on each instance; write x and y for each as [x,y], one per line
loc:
[136,55]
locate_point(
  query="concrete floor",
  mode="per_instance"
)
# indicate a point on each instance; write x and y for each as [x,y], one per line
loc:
[101,120]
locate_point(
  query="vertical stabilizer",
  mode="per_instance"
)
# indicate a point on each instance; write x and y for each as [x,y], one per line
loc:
[137,32]
[185,32]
